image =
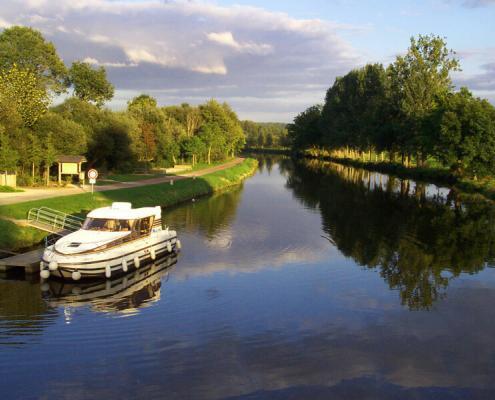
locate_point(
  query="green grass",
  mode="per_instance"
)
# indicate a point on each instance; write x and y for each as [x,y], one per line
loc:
[203,165]
[13,237]
[162,194]
[132,177]
[9,189]
[434,173]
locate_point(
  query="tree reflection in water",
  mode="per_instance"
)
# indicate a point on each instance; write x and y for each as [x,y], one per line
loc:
[417,235]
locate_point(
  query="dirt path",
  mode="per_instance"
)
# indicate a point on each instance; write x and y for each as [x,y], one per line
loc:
[44,193]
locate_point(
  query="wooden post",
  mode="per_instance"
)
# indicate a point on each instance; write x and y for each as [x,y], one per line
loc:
[59,173]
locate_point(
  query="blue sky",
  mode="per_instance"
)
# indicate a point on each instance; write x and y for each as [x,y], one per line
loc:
[269,59]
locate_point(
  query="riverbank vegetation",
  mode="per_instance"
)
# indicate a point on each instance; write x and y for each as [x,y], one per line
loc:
[265,135]
[14,237]
[405,114]
[33,131]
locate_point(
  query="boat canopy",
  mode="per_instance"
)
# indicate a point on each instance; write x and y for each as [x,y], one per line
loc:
[125,211]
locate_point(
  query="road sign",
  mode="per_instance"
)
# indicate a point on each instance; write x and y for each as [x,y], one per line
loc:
[92,181]
[92,174]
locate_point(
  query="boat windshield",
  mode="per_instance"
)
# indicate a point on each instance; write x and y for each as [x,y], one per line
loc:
[108,225]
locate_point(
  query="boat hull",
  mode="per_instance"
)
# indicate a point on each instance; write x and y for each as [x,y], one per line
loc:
[111,263]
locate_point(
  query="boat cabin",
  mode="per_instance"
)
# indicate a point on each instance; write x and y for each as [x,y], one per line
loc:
[121,217]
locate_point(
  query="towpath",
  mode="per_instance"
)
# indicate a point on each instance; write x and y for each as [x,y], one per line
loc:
[45,193]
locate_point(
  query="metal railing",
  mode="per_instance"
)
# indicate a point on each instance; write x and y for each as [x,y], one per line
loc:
[53,221]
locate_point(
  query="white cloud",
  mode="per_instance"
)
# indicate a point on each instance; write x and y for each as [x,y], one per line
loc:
[240,51]
[227,39]
[94,61]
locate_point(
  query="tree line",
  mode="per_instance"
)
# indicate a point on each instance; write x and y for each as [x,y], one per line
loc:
[407,111]
[265,134]
[33,131]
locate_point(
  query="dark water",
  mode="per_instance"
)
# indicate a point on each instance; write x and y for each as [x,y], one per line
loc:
[309,282]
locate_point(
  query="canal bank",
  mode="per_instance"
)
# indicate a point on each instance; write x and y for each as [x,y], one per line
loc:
[14,236]
[483,186]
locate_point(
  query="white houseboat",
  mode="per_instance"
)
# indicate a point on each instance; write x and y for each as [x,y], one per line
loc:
[112,241]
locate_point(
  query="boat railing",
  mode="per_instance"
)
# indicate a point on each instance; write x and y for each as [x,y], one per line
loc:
[53,221]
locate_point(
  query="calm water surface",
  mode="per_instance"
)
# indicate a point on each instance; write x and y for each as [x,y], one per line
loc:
[312,281]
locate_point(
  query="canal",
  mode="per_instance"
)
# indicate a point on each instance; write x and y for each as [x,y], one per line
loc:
[310,281]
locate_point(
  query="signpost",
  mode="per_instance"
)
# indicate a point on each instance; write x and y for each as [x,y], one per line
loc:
[92,175]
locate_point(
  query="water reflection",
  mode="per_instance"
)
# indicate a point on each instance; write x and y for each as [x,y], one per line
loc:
[268,300]
[418,236]
[23,315]
[126,294]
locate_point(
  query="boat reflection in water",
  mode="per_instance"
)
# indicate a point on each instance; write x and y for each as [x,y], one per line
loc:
[125,294]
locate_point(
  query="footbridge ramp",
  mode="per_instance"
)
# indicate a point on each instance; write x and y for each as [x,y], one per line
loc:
[53,221]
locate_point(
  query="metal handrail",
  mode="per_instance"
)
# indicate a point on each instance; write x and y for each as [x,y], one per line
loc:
[54,219]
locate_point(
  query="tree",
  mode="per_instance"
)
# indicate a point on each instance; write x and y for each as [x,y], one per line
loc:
[211,135]
[8,155]
[49,156]
[193,147]
[150,120]
[70,136]
[421,79]
[35,153]
[22,88]
[90,84]
[26,48]
[221,130]
[305,130]
[466,134]
[112,147]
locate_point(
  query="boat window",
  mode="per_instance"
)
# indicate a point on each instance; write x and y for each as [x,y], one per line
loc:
[108,225]
[145,226]
[142,227]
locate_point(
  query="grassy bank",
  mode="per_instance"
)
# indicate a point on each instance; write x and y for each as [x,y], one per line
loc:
[164,194]
[440,176]
[267,150]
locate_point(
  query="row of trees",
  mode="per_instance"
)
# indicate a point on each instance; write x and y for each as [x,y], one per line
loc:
[33,132]
[265,134]
[408,110]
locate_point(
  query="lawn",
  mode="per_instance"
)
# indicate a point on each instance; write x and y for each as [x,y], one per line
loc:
[162,194]
[9,189]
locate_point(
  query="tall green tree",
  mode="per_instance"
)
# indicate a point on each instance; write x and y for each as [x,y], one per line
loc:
[466,134]
[90,84]
[305,131]
[28,49]
[151,122]
[421,78]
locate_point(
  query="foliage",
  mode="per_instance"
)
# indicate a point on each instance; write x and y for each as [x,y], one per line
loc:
[21,87]
[144,135]
[304,131]
[265,134]
[8,155]
[466,134]
[90,84]
[408,108]
[26,48]
[71,136]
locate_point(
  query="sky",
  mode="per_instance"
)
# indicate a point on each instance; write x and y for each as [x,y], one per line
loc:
[269,59]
